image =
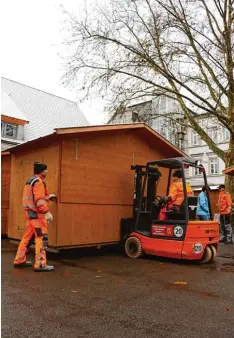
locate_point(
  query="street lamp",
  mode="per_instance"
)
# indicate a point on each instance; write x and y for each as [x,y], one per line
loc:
[181,135]
[180,139]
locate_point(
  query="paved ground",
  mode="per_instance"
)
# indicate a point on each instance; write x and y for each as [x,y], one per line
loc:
[102,294]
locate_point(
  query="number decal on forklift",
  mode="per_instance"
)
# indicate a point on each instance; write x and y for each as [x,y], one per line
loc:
[197,248]
[178,231]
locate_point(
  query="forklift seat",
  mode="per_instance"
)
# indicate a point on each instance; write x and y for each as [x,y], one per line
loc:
[192,208]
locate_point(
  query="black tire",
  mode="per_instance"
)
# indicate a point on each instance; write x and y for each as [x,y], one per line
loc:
[133,247]
[207,256]
[214,253]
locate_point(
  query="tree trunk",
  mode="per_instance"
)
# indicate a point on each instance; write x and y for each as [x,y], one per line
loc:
[229,180]
[229,161]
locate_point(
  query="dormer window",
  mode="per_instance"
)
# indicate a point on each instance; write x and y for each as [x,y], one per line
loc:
[9,130]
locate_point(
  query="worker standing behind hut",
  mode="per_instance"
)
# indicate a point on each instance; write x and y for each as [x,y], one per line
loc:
[202,206]
[225,207]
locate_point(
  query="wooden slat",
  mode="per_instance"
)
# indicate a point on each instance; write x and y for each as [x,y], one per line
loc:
[5,190]
[13,120]
[4,221]
[89,129]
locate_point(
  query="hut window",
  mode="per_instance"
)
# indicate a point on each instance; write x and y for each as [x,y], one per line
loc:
[9,130]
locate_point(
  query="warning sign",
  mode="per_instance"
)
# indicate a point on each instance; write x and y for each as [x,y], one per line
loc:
[162,230]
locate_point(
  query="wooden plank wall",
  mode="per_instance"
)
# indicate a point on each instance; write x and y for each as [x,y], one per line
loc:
[95,173]
[22,169]
[83,224]
[5,191]
[97,184]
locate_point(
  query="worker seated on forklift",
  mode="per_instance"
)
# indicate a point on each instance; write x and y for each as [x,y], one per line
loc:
[176,195]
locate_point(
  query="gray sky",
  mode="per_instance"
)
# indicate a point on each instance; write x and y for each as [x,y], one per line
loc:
[31,48]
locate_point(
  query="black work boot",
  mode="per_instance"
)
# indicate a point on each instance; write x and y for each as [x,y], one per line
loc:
[46,268]
[23,265]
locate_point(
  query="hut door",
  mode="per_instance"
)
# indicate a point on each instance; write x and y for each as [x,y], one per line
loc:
[26,171]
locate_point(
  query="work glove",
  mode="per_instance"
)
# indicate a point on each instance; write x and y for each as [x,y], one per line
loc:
[52,198]
[162,200]
[49,217]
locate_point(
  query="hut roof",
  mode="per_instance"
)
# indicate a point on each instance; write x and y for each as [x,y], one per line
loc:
[142,130]
[229,171]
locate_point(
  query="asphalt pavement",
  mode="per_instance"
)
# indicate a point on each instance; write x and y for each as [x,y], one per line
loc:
[103,294]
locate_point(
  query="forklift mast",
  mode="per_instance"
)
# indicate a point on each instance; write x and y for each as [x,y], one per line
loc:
[152,177]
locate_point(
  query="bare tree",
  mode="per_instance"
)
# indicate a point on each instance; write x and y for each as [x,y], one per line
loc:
[182,49]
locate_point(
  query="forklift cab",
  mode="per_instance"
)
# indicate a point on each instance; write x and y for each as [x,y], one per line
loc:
[152,185]
[160,224]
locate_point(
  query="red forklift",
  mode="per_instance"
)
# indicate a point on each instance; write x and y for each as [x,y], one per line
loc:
[180,234]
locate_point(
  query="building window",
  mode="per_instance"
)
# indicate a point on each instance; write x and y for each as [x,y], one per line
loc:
[214,166]
[163,104]
[226,134]
[9,130]
[196,140]
[213,133]
[196,172]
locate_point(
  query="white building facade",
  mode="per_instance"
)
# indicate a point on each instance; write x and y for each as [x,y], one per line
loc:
[156,114]
[198,150]
[184,138]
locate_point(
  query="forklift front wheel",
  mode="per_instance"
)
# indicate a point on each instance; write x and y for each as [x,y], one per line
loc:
[214,253]
[207,256]
[133,247]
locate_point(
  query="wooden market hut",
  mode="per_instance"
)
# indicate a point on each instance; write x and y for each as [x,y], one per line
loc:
[89,170]
[229,171]
[5,190]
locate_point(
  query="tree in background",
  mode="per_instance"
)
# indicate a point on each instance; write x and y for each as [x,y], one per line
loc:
[142,49]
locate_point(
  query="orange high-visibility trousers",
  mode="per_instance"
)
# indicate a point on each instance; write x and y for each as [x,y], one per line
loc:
[37,227]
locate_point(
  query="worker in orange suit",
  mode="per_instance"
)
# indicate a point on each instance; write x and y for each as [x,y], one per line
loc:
[37,214]
[176,194]
[225,207]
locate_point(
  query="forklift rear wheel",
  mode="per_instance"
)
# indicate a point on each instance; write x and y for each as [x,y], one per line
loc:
[207,256]
[133,247]
[214,253]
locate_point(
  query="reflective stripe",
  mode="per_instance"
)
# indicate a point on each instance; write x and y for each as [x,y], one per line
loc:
[28,198]
[35,179]
[29,205]
[40,202]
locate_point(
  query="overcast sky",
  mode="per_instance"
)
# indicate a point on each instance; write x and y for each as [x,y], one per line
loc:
[31,48]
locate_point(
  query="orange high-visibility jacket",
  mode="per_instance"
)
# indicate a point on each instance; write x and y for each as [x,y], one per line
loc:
[35,195]
[224,203]
[176,192]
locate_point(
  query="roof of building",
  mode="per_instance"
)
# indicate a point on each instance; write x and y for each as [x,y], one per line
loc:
[44,111]
[9,108]
[229,171]
[143,130]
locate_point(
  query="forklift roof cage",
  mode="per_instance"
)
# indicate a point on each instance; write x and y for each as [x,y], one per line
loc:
[177,163]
